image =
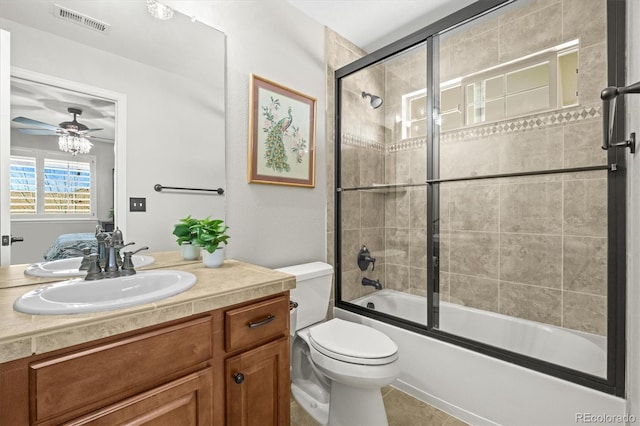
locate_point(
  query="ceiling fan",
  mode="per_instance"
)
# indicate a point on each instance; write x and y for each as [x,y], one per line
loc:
[71,128]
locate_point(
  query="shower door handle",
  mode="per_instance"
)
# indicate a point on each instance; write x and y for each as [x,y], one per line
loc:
[608,96]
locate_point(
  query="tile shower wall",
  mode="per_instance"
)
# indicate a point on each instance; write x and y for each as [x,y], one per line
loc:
[362,165]
[531,247]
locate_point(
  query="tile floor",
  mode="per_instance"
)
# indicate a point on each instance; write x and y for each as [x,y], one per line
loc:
[402,410]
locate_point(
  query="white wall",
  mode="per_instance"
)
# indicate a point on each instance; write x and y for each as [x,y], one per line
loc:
[270,225]
[633,215]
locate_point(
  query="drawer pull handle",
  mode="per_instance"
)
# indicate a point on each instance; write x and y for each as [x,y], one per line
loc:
[265,321]
[238,378]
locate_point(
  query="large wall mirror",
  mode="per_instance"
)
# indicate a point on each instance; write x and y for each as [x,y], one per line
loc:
[152,95]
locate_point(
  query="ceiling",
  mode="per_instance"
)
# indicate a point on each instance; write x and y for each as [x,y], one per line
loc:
[372,24]
[49,104]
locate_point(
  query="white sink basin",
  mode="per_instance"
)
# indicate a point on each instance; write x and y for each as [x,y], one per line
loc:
[70,267]
[79,296]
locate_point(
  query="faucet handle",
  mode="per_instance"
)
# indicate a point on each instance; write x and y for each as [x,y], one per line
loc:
[94,272]
[86,259]
[364,259]
[139,250]
[127,264]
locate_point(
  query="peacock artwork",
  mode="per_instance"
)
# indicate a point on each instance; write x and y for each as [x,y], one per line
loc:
[282,135]
[278,131]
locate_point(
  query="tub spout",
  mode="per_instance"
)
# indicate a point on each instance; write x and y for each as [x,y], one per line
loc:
[375,284]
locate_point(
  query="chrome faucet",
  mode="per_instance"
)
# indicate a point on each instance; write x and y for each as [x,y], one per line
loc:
[112,265]
[375,284]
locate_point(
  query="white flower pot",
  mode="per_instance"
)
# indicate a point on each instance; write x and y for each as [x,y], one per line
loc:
[213,260]
[190,252]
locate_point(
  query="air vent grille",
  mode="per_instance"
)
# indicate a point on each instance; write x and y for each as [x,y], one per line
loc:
[80,19]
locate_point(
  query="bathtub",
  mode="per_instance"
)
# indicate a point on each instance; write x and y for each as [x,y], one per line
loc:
[581,351]
[483,390]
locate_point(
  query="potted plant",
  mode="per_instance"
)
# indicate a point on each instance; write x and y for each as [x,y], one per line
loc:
[187,238]
[210,235]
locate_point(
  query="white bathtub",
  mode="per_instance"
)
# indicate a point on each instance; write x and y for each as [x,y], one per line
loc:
[483,390]
[581,351]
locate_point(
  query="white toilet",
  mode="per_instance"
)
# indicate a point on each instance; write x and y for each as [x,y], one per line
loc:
[337,367]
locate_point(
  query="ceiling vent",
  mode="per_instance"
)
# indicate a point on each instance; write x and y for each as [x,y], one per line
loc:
[80,19]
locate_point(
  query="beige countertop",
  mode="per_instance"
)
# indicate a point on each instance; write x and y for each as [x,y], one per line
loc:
[22,335]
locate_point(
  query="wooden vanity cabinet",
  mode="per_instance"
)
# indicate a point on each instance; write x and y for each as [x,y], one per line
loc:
[256,364]
[182,372]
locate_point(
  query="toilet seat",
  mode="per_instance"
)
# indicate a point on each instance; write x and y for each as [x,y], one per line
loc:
[353,343]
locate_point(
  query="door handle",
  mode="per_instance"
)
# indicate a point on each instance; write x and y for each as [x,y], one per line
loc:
[7,240]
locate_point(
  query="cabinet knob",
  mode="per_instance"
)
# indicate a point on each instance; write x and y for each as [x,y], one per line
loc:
[238,378]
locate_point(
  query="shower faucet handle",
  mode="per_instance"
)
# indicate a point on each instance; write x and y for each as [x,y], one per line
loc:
[364,259]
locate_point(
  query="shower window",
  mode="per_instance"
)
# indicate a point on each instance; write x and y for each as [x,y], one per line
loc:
[416,114]
[493,197]
[538,82]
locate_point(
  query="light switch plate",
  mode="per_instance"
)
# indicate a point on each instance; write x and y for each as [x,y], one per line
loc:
[137,204]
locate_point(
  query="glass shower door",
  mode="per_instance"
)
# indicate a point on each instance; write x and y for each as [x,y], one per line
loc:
[382,181]
[520,183]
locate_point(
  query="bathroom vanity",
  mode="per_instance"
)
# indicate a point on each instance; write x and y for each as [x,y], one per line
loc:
[217,354]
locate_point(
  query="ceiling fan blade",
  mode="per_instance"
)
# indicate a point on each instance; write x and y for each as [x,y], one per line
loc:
[82,132]
[98,138]
[45,132]
[31,122]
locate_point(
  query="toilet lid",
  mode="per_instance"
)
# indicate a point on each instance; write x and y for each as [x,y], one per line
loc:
[351,342]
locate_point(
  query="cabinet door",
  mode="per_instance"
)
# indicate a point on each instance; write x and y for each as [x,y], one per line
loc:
[257,386]
[183,402]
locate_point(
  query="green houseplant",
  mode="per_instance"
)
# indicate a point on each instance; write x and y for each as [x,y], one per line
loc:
[183,231]
[187,238]
[208,234]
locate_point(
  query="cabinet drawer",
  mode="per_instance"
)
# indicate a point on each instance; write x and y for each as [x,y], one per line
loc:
[250,324]
[118,369]
[186,401]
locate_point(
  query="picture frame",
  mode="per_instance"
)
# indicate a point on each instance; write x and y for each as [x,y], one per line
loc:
[282,127]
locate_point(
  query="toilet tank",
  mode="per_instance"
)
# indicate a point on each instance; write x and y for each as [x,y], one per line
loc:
[312,292]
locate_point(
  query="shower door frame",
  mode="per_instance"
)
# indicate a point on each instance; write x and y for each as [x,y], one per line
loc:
[614,382]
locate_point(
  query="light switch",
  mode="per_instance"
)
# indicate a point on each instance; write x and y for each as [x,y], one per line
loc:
[137,204]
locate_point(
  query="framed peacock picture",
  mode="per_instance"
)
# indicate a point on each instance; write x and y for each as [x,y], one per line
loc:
[281,135]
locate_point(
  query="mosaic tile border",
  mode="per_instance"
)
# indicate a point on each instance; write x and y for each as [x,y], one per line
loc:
[354,140]
[407,145]
[539,121]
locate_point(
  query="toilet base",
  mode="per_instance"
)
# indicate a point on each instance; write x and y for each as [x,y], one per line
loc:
[351,406]
[310,403]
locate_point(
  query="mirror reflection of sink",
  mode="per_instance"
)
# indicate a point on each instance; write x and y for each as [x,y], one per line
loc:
[79,296]
[70,267]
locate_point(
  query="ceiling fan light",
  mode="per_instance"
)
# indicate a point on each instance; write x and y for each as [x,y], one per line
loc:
[74,144]
[159,10]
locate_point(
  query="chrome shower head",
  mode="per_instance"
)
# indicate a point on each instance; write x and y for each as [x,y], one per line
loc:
[376,101]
